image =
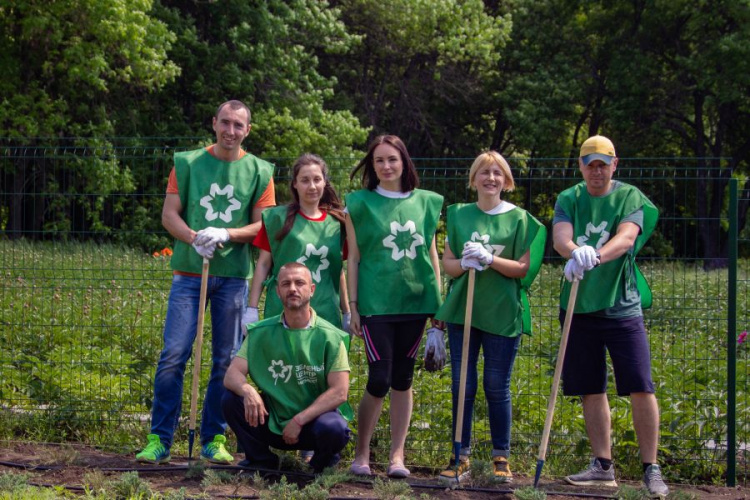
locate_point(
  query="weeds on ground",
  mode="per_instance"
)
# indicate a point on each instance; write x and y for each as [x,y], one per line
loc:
[11,482]
[682,495]
[482,474]
[290,491]
[213,477]
[392,490]
[258,481]
[130,485]
[331,477]
[630,493]
[529,493]
[195,470]
[95,482]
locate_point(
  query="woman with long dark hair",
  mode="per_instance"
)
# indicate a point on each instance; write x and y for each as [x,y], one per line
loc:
[393,275]
[309,231]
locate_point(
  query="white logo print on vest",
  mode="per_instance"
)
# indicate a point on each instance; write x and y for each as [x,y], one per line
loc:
[207,203]
[321,252]
[416,240]
[484,239]
[284,373]
[591,230]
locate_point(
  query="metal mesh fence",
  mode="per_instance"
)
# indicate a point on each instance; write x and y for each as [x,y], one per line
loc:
[84,285]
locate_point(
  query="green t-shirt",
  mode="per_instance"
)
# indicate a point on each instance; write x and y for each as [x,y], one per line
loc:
[394,237]
[501,304]
[217,193]
[317,245]
[595,221]
[290,366]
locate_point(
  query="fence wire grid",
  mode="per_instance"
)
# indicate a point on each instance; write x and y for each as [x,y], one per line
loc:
[84,283]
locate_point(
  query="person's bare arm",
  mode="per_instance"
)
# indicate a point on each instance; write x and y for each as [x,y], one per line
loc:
[172,220]
[352,276]
[262,269]
[621,243]
[235,380]
[562,239]
[330,399]
[246,234]
[435,260]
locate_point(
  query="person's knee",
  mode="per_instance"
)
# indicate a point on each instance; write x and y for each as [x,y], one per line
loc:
[332,430]
[379,381]
[230,403]
[403,375]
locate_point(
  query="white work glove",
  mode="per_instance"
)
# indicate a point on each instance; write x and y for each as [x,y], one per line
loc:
[434,350]
[586,257]
[211,236]
[479,252]
[573,271]
[250,316]
[206,252]
[346,320]
[471,262]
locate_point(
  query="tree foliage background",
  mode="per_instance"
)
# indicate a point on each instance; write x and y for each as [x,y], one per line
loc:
[530,78]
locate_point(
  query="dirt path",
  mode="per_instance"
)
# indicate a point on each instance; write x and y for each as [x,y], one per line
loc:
[68,465]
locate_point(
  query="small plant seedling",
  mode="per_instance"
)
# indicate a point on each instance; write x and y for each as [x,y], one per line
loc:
[130,485]
[391,490]
[213,477]
[529,493]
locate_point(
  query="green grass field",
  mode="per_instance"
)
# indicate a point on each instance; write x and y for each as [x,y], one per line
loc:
[81,333]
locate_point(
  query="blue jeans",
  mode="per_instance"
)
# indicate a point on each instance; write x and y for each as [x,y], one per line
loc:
[499,355]
[228,300]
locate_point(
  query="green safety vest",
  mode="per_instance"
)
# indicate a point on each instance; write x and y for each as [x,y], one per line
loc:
[290,367]
[501,304]
[316,244]
[595,221]
[394,237]
[216,193]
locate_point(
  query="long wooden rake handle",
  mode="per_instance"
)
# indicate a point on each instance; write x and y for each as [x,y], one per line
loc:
[464,358]
[558,370]
[197,353]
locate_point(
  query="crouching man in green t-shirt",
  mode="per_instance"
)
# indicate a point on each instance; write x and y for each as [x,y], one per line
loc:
[298,363]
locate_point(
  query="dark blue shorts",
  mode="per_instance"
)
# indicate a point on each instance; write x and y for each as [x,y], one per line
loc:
[585,366]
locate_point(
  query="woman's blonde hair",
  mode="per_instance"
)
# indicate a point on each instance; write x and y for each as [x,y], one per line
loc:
[492,158]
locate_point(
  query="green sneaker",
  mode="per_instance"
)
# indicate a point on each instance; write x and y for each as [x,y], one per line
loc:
[154,452]
[215,452]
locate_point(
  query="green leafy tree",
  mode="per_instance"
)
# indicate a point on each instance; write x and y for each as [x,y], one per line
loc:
[68,66]
[419,69]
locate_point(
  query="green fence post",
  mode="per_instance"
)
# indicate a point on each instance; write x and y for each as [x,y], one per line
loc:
[731,338]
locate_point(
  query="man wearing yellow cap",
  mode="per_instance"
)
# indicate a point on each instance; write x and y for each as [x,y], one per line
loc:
[599,225]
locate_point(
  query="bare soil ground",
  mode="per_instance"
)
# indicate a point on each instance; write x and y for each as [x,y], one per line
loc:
[66,465]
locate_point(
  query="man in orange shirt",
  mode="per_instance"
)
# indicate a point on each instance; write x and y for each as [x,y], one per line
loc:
[214,201]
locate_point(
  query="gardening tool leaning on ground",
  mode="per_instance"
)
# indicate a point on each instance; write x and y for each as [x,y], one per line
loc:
[556,381]
[464,366]
[197,357]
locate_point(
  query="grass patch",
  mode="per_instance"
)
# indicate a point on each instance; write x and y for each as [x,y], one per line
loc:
[82,331]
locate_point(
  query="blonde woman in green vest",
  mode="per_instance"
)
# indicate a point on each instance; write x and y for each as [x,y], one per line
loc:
[393,274]
[505,244]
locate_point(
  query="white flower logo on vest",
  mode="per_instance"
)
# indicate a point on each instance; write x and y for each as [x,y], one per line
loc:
[484,239]
[321,252]
[592,229]
[284,374]
[207,203]
[416,240]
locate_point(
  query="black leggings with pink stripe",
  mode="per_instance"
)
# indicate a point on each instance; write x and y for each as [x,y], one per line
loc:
[392,344]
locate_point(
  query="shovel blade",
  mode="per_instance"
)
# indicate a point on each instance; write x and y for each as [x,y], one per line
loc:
[539,466]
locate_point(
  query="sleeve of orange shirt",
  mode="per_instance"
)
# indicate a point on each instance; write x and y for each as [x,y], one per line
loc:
[267,199]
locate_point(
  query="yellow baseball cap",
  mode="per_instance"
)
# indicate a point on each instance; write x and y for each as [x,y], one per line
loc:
[597,147]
